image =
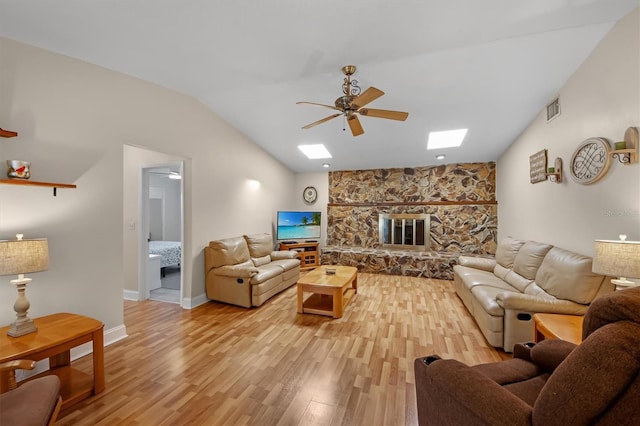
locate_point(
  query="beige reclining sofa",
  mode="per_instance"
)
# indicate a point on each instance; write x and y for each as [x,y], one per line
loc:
[246,271]
[524,278]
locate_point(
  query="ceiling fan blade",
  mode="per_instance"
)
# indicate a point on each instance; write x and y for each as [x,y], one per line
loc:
[369,95]
[315,123]
[354,125]
[383,113]
[322,105]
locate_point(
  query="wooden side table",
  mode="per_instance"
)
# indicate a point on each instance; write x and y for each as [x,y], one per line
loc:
[558,326]
[56,335]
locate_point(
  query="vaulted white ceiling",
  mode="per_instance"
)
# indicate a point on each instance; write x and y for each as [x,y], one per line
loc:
[490,66]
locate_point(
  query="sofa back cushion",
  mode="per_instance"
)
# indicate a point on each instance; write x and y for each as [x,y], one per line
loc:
[567,275]
[506,252]
[529,258]
[260,245]
[229,251]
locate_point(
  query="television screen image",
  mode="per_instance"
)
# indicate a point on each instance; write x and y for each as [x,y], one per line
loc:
[298,225]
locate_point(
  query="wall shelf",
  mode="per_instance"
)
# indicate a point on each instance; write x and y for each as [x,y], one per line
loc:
[53,185]
[629,155]
[556,175]
[7,133]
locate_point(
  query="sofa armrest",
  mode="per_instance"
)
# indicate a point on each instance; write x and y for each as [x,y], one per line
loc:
[482,263]
[450,392]
[549,353]
[283,254]
[236,271]
[528,303]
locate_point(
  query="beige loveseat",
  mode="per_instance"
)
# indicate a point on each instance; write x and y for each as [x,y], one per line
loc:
[524,278]
[246,271]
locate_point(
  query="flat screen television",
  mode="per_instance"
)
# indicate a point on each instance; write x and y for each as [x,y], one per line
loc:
[298,225]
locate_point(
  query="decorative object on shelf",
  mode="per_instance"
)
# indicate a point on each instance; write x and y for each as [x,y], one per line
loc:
[18,169]
[591,161]
[23,257]
[626,151]
[555,173]
[7,133]
[538,166]
[618,258]
[310,194]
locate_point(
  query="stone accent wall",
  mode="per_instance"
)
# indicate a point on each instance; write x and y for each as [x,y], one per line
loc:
[460,199]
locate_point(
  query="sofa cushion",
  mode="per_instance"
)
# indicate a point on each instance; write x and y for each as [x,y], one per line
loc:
[229,251]
[517,281]
[286,264]
[266,272]
[259,261]
[260,245]
[486,297]
[567,275]
[506,251]
[471,277]
[529,258]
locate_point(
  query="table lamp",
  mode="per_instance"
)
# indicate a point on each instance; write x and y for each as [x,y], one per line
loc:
[617,258]
[23,257]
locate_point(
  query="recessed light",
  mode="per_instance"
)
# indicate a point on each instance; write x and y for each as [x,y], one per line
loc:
[326,165]
[446,139]
[314,151]
[440,157]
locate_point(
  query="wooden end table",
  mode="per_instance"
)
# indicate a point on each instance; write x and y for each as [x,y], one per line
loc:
[331,293]
[558,326]
[56,335]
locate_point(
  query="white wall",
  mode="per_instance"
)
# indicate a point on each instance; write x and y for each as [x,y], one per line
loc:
[321,182]
[602,99]
[171,192]
[73,120]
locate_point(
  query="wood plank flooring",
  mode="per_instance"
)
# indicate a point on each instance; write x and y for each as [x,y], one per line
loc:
[224,365]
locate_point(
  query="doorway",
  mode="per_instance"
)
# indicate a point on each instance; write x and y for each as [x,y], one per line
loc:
[161,233]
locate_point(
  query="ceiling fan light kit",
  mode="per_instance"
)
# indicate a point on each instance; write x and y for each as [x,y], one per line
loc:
[352,103]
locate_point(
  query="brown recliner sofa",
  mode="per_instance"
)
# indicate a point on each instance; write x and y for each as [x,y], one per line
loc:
[550,383]
[247,271]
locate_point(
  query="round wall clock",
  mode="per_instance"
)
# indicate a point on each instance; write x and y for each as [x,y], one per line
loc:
[309,195]
[590,161]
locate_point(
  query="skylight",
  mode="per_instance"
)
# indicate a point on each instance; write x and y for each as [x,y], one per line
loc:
[446,139]
[314,151]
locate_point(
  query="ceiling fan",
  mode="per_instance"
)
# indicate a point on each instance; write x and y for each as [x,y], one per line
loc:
[353,102]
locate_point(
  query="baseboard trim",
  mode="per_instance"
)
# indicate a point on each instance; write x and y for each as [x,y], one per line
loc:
[190,303]
[130,295]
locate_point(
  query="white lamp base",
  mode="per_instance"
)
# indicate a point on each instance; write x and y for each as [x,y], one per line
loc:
[623,283]
[23,324]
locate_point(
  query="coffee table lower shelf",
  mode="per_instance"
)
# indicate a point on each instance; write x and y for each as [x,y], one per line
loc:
[322,304]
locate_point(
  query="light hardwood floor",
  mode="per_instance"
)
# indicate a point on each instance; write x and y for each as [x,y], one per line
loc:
[224,365]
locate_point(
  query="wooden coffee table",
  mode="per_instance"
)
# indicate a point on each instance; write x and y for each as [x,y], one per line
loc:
[331,293]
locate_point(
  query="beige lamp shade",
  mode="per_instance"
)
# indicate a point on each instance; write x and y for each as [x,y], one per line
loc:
[24,256]
[617,258]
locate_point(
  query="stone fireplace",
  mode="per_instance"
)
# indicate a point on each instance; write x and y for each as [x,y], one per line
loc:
[411,221]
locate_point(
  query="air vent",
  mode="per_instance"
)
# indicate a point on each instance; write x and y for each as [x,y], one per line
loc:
[553,109]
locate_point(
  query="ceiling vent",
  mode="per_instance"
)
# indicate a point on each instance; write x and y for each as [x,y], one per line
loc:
[553,109]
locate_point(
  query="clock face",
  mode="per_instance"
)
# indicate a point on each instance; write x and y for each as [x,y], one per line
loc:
[591,161]
[309,195]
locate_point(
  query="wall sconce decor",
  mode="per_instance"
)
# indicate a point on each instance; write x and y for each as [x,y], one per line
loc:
[19,257]
[626,151]
[617,258]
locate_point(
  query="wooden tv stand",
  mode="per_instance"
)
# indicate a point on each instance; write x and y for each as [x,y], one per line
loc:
[306,252]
